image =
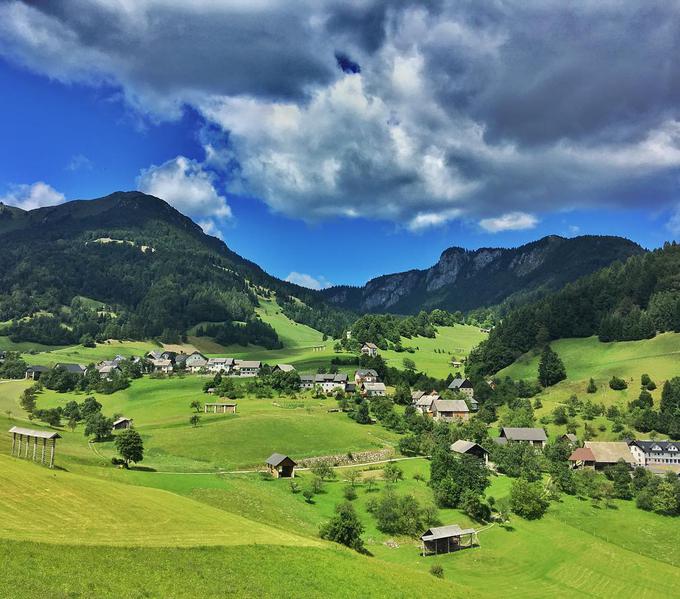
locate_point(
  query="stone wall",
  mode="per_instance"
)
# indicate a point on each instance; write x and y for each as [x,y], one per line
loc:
[346,459]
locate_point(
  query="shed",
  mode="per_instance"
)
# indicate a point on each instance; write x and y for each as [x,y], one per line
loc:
[283,368]
[18,434]
[444,539]
[281,466]
[122,424]
[35,372]
[470,448]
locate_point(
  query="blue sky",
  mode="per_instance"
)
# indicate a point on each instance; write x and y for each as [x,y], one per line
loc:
[340,174]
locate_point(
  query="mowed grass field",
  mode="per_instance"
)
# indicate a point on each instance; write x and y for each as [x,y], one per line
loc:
[302,427]
[585,358]
[455,342]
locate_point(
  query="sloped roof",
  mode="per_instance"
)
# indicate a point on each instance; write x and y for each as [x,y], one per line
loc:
[451,405]
[524,434]
[460,384]
[462,446]
[38,368]
[374,386]
[74,368]
[248,363]
[277,458]
[652,446]
[370,345]
[285,367]
[582,454]
[33,433]
[610,452]
[122,420]
[445,532]
[365,372]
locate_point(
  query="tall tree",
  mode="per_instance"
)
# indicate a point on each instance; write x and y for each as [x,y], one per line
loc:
[551,368]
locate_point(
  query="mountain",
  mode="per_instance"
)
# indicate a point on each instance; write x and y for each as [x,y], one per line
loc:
[464,279]
[154,270]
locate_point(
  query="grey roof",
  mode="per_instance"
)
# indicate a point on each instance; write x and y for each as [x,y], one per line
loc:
[330,378]
[365,372]
[451,405]
[276,458]
[445,532]
[33,433]
[38,368]
[416,395]
[370,345]
[155,355]
[460,384]
[74,368]
[373,386]
[285,367]
[524,434]
[610,452]
[123,419]
[658,446]
[462,446]
[571,437]
[426,401]
[248,363]
[307,378]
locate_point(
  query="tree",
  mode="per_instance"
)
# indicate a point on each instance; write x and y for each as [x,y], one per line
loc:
[98,425]
[195,405]
[451,474]
[473,506]
[527,499]
[130,446]
[392,473]
[344,528]
[398,514]
[353,475]
[551,368]
[617,384]
[194,420]
[89,407]
[362,414]
[665,499]
[592,387]
[324,470]
[409,364]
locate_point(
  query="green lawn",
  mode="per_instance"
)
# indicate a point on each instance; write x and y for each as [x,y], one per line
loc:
[455,342]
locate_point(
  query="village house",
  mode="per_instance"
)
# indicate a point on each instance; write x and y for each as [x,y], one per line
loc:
[155,355]
[655,453]
[369,349]
[569,439]
[533,436]
[600,454]
[107,369]
[307,381]
[448,410]
[162,366]
[220,407]
[221,365]
[34,372]
[169,355]
[281,466]
[283,368]
[365,375]
[471,448]
[181,360]
[463,386]
[373,389]
[247,368]
[424,402]
[195,362]
[122,424]
[350,388]
[330,382]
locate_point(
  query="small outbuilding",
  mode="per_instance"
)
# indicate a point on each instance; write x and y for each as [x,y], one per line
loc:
[28,440]
[445,539]
[220,407]
[122,424]
[281,466]
[470,448]
[35,372]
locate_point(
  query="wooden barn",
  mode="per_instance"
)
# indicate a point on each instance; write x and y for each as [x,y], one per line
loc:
[281,466]
[445,539]
[122,424]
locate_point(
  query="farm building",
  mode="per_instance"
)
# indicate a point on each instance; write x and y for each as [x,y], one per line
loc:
[655,453]
[35,372]
[369,349]
[122,424]
[600,454]
[471,448]
[365,375]
[424,402]
[72,368]
[162,365]
[195,362]
[222,365]
[447,410]
[281,466]
[464,386]
[445,539]
[220,407]
[533,436]
[373,389]
[248,368]
[283,368]
[25,437]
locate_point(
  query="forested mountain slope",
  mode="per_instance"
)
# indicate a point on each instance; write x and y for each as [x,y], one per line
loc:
[153,268]
[464,280]
[622,302]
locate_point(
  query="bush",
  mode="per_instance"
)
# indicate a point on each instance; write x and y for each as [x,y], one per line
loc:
[350,493]
[437,570]
[617,384]
[528,499]
[344,528]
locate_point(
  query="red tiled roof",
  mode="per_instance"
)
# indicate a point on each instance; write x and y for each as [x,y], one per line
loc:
[582,454]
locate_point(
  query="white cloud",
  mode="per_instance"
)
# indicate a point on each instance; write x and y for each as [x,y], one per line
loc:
[308,281]
[513,221]
[187,186]
[673,224]
[210,228]
[36,195]
[462,110]
[79,162]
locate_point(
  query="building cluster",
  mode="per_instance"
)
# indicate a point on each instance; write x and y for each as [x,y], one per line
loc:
[447,410]
[196,362]
[366,382]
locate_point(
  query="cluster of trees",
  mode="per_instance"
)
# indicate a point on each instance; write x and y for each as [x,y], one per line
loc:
[633,300]
[13,367]
[61,380]
[320,316]
[254,331]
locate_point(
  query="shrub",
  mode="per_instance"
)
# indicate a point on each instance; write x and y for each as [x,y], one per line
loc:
[308,494]
[350,493]
[528,499]
[592,387]
[344,528]
[617,384]
[437,570]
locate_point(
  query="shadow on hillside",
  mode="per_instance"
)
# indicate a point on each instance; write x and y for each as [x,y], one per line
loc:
[142,468]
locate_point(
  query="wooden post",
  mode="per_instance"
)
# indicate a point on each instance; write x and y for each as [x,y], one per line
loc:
[35,447]
[28,441]
[21,438]
[14,441]
[54,442]
[42,461]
